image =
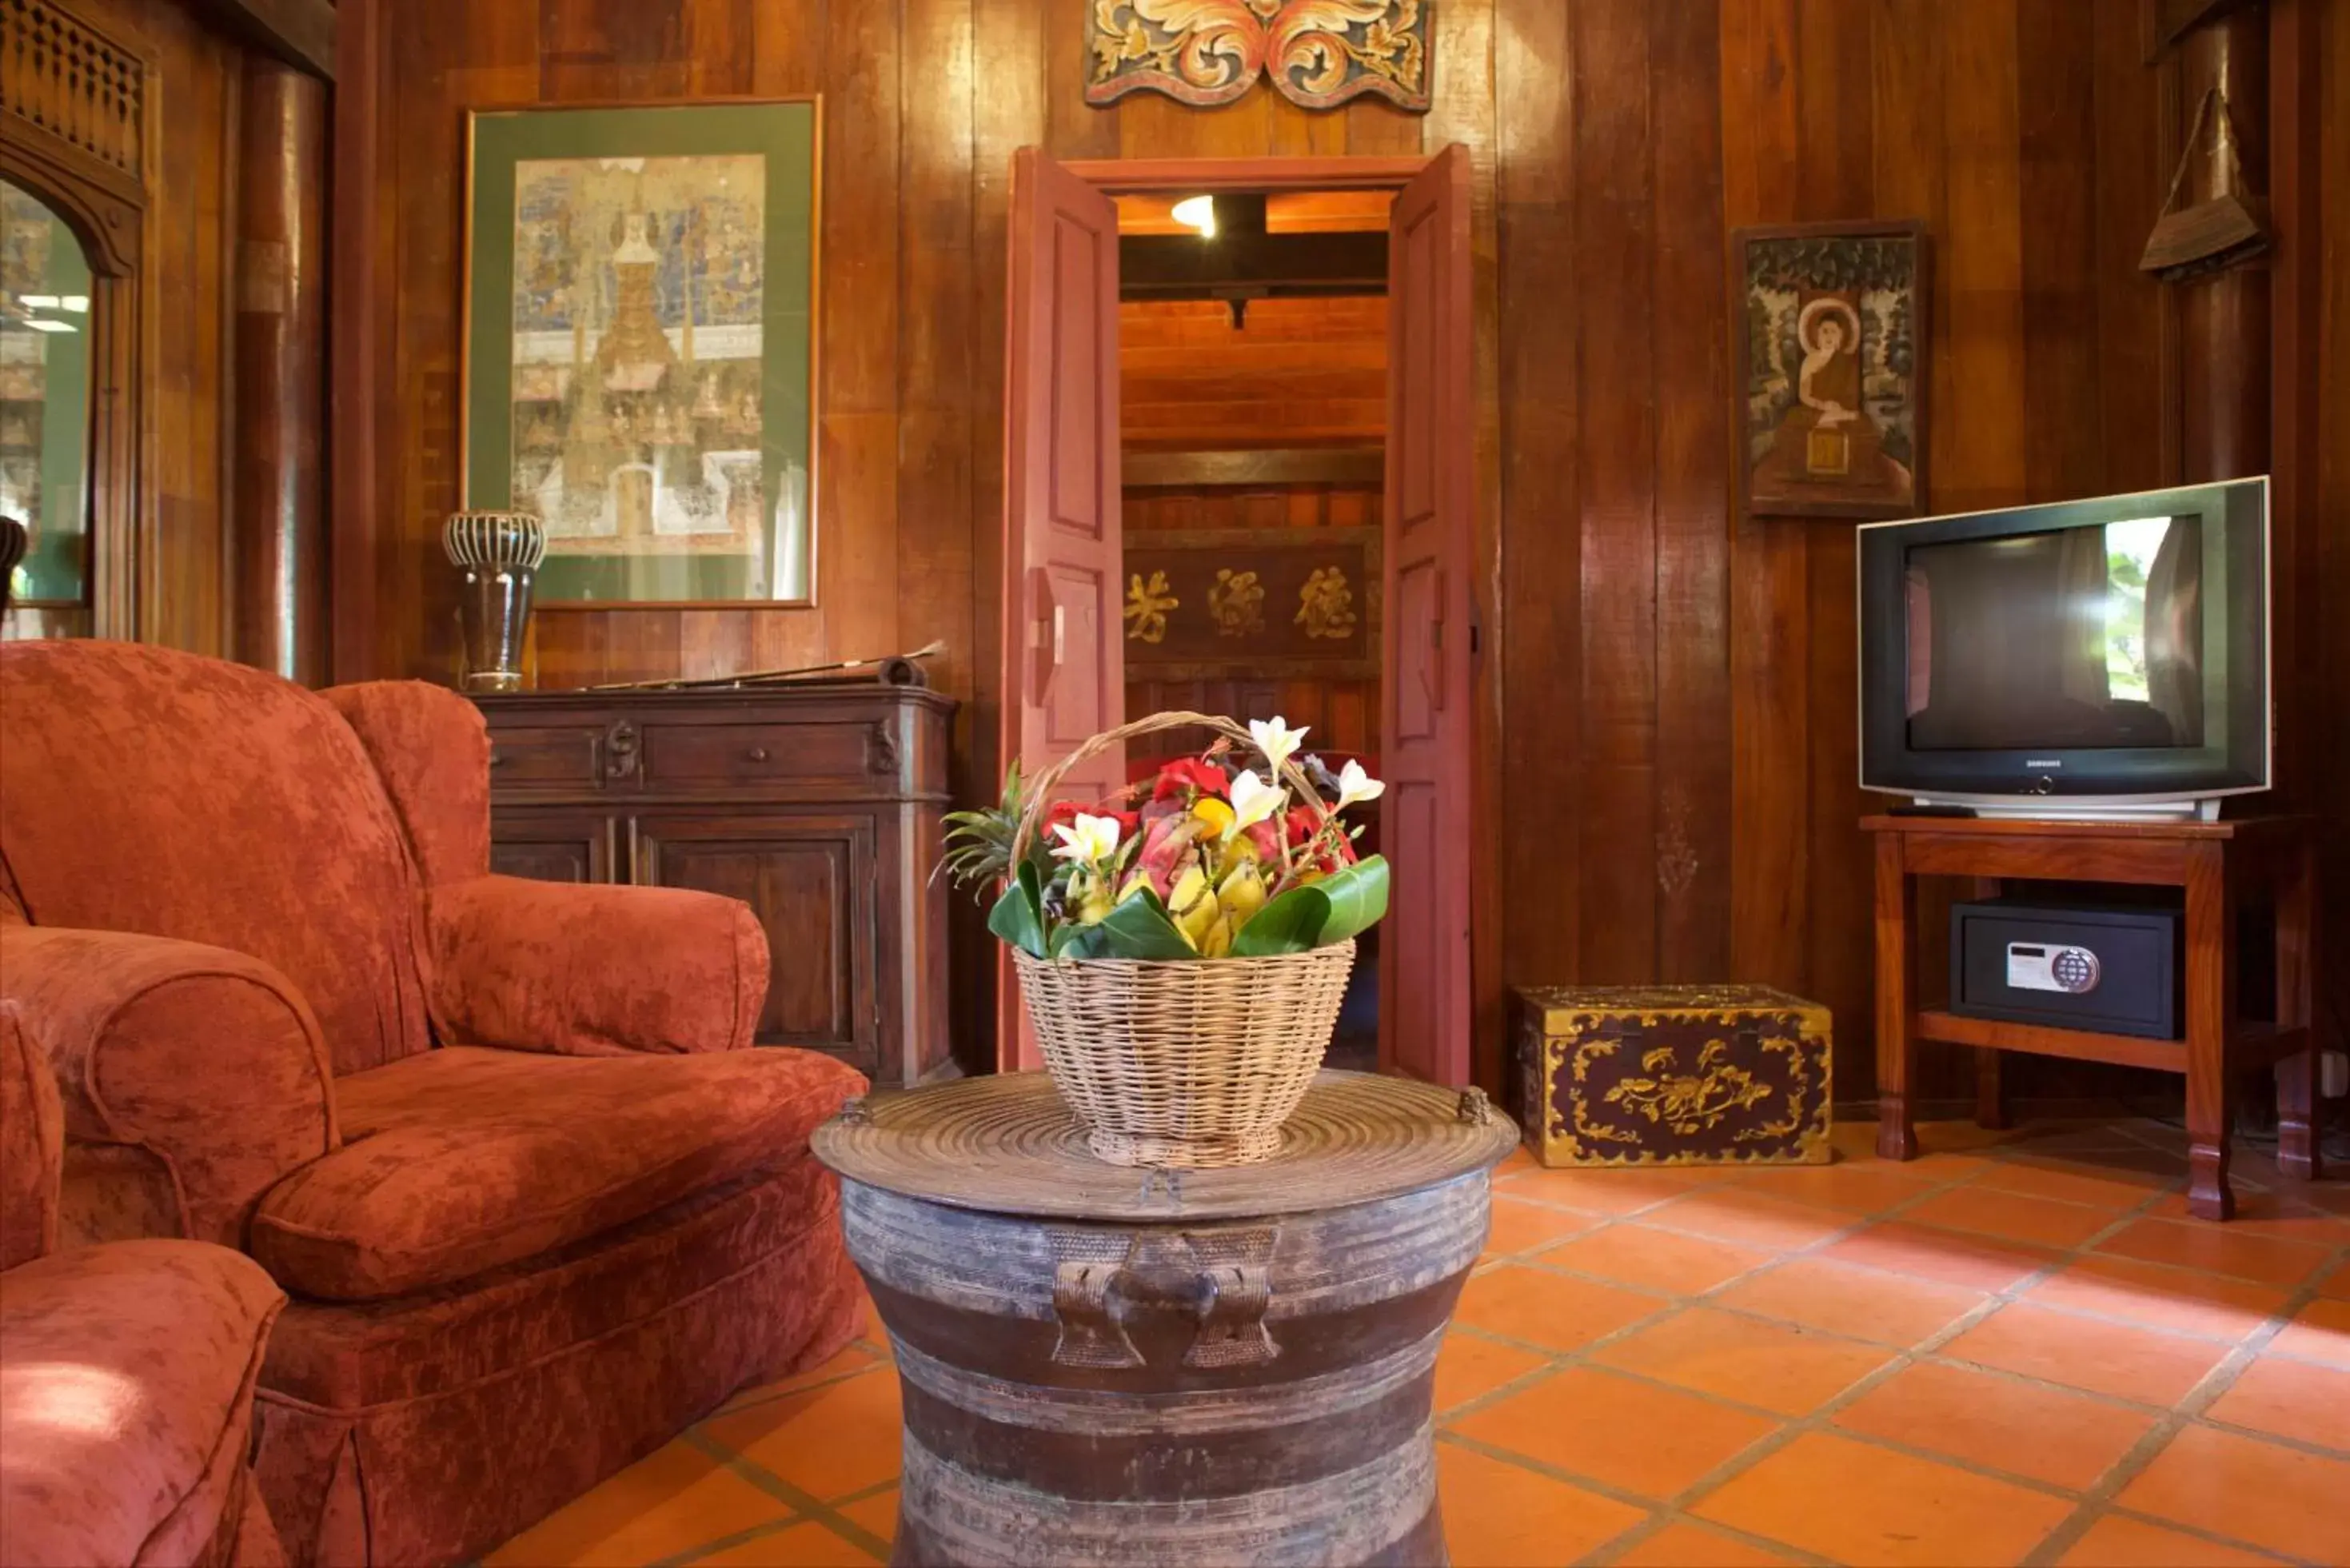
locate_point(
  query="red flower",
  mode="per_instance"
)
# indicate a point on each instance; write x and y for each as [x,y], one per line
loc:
[1195,773]
[1333,850]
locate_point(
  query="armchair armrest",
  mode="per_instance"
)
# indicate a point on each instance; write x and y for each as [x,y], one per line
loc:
[32,1145]
[593,970]
[208,1059]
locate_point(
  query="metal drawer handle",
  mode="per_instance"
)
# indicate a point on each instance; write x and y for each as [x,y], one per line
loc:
[757,753]
[621,759]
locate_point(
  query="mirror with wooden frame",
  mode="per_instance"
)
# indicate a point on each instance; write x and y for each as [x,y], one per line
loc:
[73,162]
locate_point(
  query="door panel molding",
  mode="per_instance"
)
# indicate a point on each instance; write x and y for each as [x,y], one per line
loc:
[1428,722]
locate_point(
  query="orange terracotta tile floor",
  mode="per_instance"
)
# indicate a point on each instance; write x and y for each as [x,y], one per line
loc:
[2016,1349]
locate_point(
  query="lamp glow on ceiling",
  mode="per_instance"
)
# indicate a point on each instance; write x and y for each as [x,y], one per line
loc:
[1198,212]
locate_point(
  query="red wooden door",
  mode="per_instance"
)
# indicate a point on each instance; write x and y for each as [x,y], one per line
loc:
[1426,728]
[1064,662]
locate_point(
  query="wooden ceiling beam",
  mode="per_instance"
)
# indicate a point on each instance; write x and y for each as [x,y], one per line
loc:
[1185,266]
[299,32]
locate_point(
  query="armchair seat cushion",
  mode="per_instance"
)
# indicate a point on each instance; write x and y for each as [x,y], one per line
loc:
[461,1160]
[126,1399]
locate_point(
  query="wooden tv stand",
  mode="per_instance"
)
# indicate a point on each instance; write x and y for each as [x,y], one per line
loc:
[2217,863]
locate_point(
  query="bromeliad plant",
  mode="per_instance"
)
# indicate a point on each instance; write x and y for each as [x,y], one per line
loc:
[1208,859]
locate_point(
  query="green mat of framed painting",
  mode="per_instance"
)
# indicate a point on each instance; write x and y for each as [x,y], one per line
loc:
[776,565]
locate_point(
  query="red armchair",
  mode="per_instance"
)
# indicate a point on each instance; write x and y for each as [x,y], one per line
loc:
[536,1203]
[126,1372]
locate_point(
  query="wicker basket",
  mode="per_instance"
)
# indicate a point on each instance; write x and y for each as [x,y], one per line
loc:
[1183,1061]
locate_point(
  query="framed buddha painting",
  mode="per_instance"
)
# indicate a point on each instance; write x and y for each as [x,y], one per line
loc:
[1829,320]
[639,348]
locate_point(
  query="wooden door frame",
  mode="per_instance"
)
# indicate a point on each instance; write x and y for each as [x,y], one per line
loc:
[1136,176]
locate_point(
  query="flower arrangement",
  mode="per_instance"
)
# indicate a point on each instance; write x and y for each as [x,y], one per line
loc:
[1208,858]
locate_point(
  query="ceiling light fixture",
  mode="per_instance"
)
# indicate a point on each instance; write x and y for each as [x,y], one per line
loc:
[39,325]
[1198,212]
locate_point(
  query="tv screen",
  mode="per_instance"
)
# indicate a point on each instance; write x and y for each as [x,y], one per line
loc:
[2115,648]
[2080,636]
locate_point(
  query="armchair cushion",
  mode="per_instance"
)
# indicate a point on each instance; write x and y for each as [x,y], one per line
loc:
[147,790]
[462,1159]
[126,1400]
[594,971]
[208,1060]
[432,749]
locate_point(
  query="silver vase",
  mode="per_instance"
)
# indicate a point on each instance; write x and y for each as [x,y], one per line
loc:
[498,554]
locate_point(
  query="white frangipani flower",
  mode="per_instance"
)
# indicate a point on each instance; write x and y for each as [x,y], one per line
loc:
[1355,784]
[1090,841]
[1253,800]
[1276,741]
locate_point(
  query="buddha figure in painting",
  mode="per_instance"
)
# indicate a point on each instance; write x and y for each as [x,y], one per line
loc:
[1827,439]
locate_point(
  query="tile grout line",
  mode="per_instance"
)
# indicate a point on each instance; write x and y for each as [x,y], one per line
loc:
[810,1506]
[2092,1503]
[2240,1351]
[2190,1410]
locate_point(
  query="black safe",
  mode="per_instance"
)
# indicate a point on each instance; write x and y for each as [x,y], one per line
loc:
[2114,968]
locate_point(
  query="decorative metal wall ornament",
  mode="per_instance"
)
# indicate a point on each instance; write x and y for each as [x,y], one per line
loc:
[498,553]
[1319,53]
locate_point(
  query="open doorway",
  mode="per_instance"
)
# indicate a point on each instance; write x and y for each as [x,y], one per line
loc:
[1252,405]
[1069,443]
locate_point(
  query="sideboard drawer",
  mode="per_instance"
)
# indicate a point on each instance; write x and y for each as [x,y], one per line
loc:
[847,754]
[526,756]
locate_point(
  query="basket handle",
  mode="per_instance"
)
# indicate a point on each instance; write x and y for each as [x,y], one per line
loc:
[1040,792]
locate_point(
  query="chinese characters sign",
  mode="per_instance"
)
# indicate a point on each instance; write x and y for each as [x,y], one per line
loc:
[1203,604]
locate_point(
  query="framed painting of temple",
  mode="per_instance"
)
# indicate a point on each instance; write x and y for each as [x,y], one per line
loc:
[640,345]
[1830,326]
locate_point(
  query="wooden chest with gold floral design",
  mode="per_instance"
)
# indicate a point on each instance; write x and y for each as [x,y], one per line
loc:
[1672,1074]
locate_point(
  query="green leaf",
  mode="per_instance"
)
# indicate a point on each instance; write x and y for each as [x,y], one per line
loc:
[1358,900]
[1139,927]
[1078,942]
[1291,923]
[1316,913]
[1018,916]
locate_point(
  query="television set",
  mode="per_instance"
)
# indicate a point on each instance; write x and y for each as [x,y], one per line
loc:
[2082,658]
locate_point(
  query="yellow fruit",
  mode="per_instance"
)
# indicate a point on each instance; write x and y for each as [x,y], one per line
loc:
[1219,939]
[1089,900]
[1241,895]
[1214,813]
[1191,903]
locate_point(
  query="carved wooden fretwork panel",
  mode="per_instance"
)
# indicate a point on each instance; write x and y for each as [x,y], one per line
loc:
[74,104]
[1318,53]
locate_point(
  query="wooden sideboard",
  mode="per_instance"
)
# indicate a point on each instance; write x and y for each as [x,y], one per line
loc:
[816,805]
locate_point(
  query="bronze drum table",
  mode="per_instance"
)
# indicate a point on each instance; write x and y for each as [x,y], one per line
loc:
[1109,1367]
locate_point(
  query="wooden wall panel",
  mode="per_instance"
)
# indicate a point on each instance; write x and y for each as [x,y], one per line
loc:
[1668,688]
[1342,716]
